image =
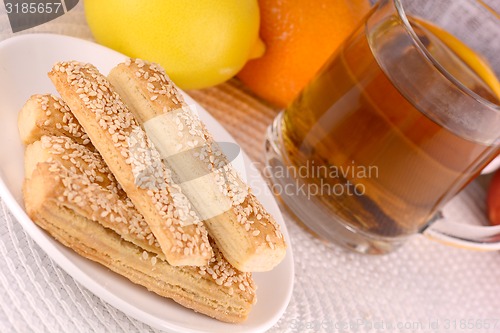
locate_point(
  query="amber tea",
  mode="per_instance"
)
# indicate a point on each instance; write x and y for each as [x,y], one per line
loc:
[353,128]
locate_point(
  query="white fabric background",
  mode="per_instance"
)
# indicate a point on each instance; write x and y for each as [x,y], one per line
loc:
[421,283]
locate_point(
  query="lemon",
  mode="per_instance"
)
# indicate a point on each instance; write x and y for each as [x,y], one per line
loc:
[200,43]
[476,62]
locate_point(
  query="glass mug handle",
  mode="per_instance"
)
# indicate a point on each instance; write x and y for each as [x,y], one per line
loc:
[474,237]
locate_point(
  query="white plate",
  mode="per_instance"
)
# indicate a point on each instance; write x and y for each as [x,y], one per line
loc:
[24,63]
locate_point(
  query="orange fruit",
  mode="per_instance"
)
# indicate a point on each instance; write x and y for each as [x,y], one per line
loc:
[299,35]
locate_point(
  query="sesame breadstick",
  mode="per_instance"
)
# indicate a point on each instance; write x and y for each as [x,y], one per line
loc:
[243,230]
[110,207]
[134,162]
[72,155]
[78,213]
[44,118]
[49,115]
[107,200]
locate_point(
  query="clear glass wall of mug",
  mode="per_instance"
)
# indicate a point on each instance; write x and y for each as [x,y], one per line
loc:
[397,122]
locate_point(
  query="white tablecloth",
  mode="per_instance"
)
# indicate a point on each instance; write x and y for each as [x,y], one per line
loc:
[423,287]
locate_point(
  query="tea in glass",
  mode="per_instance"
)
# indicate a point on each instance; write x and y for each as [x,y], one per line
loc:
[382,161]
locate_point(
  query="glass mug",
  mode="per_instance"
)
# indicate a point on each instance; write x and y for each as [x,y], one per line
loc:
[396,123]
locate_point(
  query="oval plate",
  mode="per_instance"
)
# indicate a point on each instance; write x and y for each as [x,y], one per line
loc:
[24,63]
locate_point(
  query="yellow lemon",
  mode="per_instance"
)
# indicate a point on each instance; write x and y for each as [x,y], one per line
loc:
[200,43]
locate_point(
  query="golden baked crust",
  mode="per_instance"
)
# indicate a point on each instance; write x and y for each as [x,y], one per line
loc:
[71,193]
[216,290]
[243,230]
[102,202]
[126,150]
[46,120]
[49,115]
[84,162]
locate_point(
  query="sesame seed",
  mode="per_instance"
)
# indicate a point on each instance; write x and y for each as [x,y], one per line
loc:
[106,103]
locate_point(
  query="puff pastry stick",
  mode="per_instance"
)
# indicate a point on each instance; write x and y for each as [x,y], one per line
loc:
[113,210]
[104,202]
[243,230]
[53,203]
[134,162]
[49,115]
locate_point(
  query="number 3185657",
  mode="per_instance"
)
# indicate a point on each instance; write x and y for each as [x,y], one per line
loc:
[33,7]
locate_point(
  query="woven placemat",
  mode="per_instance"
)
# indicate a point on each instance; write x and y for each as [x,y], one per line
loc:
[423,287]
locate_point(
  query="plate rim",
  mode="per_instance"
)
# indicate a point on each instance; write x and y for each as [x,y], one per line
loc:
[38,235]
